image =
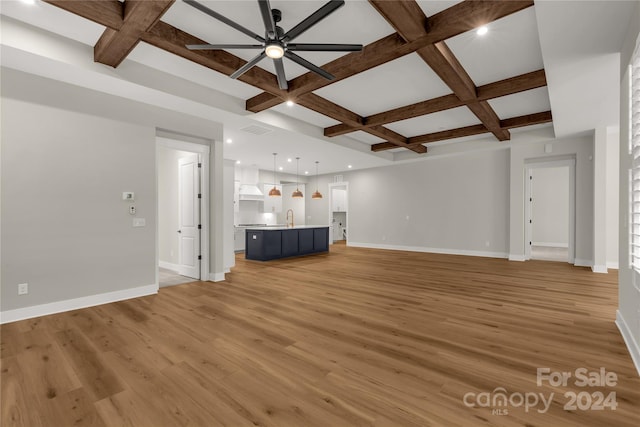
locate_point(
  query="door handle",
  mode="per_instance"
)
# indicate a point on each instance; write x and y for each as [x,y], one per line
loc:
[179,231]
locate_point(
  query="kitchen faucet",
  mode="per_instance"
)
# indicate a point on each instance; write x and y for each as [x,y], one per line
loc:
[290,210]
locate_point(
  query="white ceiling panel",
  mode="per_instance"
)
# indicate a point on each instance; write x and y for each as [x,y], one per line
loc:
[53,19]
[196,73]
[365,137]
[510,48]
[306,115]
[443,120]
[430,7]
[405,81]
[519,104]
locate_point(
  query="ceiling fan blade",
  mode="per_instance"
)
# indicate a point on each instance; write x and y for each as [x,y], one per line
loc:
[313,19]
[223,46]
[308,65]
[223,19]
[324,47]
[282,78]
[240,71]
[267,17]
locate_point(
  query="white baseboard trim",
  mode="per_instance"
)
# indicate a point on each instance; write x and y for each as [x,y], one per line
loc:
[514,257]
[582,262]
[75,303]
[216,277]
[600,269]
[550,244]
[169,266]
[629,340]
[428,250]
[613,265]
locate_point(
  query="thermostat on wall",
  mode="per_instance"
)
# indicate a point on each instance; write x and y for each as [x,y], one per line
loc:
[128,196]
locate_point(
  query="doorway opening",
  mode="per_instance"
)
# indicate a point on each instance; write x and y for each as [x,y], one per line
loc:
[339,212]
[550,211]
[182,243]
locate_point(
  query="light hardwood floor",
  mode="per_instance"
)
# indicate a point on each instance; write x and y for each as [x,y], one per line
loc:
[357,337]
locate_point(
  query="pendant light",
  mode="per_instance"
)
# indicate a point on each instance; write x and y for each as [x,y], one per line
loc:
[274,192]
[297,194]
[317,194]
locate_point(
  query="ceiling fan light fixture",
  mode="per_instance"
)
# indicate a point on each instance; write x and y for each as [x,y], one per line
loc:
[274,51]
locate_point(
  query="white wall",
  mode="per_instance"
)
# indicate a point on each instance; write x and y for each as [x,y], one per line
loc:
[296,205]
[65,228]
[456,204]
[628,316]
[550,206]
[98,146]
[579,148]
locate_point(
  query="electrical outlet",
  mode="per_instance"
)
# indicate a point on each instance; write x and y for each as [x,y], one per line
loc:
[132,210]
[23,288]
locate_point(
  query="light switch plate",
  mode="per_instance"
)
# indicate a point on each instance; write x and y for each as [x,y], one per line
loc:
[128,196]
[139,222]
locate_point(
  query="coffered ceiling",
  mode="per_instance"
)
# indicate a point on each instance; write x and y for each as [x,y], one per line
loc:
[424,76]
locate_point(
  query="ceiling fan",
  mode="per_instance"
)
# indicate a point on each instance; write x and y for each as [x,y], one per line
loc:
[276,43]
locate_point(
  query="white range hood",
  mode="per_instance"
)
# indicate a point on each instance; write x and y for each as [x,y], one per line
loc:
[249,183]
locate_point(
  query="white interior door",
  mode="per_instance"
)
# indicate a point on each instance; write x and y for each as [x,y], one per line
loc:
[189,216]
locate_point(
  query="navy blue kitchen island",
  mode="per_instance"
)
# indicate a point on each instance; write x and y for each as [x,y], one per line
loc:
[267,243]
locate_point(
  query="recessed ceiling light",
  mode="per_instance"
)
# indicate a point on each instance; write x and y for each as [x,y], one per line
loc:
[349,166]
[237,162]
[289,160]
[280,168]
[229,140]
[482,30]
[290,104]
[306,172]
[28,1]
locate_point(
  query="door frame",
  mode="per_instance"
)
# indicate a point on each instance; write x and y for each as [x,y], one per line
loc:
[541,164]
[203,151]
[332,185]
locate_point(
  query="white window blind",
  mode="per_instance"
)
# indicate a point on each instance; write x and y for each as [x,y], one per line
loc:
[634,122]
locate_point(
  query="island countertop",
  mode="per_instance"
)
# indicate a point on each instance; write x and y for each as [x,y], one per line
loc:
[284,227]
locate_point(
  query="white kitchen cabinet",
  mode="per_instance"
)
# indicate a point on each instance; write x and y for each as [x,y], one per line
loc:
[339,200]
[272,204]
[236,196]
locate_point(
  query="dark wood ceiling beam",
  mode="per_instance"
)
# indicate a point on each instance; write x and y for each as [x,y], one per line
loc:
[109,13]
[489,119]
[336,112]
[411,23]
[139,15]
[511,123]
[402,113]
[527,120]
[521,83]
[455,20]
[436,136]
